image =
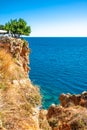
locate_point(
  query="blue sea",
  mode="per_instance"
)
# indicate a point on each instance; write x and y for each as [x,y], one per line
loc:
[58,65]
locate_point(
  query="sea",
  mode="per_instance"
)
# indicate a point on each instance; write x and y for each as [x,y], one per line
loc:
[58,65]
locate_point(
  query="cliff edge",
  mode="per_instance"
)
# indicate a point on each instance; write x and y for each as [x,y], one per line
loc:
[19,99]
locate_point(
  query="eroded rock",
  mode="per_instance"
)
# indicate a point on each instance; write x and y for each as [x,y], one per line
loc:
[70,100]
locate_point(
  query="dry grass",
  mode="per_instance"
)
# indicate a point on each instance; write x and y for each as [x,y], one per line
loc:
[5,64]
[8,69]
[18,96]
[43,123]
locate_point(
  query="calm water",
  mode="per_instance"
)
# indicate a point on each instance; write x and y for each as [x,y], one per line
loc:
[58,65]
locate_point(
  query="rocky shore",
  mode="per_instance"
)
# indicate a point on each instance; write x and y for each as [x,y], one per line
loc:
[71,114]
[19,98]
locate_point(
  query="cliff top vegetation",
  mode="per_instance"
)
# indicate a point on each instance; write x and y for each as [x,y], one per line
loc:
[16,27]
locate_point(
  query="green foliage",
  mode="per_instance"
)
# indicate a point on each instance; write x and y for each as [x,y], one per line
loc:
[78,125]
[24,43]
[27,107]
[2,86]
[1,27]
[18,27]
[53,122]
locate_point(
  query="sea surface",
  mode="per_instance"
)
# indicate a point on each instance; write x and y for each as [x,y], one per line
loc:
[58,65]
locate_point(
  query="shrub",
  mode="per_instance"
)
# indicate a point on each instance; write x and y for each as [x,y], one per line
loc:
[2,86]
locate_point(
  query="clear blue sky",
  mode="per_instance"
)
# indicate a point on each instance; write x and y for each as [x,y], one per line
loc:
[48,17]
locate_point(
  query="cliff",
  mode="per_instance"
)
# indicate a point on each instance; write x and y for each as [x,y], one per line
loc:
[71,114]
[20,99]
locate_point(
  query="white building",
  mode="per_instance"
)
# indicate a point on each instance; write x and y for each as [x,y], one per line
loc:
[2,32]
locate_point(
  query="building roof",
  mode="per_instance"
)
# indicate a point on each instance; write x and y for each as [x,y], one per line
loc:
[3,31]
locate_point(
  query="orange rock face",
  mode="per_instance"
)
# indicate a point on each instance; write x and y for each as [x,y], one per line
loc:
[18,49]
[18,97]
[71,114]
[68,100]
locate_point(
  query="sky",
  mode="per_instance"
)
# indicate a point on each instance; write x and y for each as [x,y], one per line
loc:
[48,18]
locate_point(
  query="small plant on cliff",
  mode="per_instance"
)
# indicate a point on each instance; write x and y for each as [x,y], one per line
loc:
[53,122]
[34,98]
[24,43]
[78,125]
[2,86]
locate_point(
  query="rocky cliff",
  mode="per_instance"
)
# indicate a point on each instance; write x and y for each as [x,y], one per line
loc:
[71,114]
[20,99]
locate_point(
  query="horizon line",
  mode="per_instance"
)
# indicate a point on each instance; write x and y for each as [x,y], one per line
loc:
[57,36]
